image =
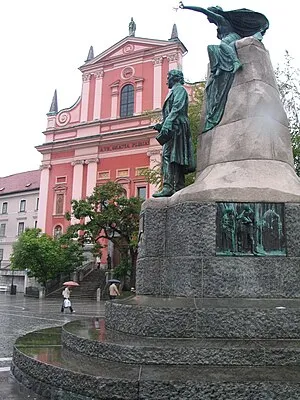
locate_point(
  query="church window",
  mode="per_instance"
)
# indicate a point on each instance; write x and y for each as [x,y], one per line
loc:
[141,192]
[57,231]
[59,206]
[127,101]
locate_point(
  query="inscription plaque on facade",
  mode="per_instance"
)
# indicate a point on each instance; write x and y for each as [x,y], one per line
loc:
[250,229]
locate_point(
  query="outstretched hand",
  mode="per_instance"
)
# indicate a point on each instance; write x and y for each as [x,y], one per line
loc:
[181,5]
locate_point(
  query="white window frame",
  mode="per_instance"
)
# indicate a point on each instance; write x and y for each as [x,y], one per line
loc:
[20,224]
[22,202]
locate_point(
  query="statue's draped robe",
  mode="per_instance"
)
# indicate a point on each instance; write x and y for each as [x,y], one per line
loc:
[244,23]
[176,128]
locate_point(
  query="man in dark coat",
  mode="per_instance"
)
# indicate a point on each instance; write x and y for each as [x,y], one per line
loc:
[175,137]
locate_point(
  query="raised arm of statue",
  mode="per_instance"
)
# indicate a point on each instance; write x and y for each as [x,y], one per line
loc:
[212,16]
[223,58]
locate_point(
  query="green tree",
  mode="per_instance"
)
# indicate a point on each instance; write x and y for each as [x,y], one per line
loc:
[109,214]
[289,89]
[195,109]
[43,256]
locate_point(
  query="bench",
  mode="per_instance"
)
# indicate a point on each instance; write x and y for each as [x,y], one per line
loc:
[3,288]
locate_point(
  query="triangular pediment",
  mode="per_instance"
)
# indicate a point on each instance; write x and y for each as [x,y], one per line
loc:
[130,46]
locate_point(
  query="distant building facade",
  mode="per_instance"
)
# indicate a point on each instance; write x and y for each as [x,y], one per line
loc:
[107,134]
[19,203]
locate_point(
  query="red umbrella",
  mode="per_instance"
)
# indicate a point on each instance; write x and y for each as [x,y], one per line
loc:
[71,283]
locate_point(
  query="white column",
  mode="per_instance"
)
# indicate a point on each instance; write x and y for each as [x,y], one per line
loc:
[173,61]
[91,175]
[157,82]
[77,183]
[43,197]
[139,96]
[77,179]
[114,101]
[86,79]
[155,160]
[98,94]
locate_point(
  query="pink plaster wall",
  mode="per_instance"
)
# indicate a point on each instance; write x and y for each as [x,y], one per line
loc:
[58,170]
[109,78]
[91,98]
[112,159]
[123,162]
[62,154]
[84,181]
[165,70]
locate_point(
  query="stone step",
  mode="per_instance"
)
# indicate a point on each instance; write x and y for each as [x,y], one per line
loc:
[54,372]
[91,338]
[225,318]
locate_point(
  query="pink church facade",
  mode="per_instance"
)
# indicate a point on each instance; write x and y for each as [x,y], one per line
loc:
[107,134]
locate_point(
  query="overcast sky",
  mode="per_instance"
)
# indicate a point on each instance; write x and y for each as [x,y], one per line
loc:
[43,42]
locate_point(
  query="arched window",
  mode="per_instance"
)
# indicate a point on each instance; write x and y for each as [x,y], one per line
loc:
[127,101]
[57,231]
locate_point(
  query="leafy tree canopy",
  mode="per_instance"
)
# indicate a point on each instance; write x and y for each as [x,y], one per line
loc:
[288,83]
[43,256]
[109,214]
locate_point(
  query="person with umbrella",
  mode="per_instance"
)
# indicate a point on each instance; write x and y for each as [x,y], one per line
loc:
[66,295]
[113,290]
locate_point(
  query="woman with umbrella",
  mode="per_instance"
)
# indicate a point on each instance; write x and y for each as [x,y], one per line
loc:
[66,295]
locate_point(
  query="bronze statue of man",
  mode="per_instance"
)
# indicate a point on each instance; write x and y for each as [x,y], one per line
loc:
[175,137]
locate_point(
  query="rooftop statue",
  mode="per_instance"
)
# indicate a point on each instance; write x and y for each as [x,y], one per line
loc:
[224,62]
[132,27]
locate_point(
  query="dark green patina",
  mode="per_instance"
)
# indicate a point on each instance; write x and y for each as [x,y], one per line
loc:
[250,229]
[175,137]
[223,58]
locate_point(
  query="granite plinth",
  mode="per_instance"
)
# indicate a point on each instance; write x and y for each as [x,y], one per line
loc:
[56,373]
[205,318]
[178,256]
[103,344]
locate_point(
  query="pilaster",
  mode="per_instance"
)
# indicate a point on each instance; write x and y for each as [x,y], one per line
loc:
[77,179]
[114,99]
[86,79]
[139,96]
[98,93]
[157,92]
[174,61]
[43,197]
[91,175]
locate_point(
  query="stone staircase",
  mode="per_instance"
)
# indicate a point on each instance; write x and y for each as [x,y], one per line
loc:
[88,286]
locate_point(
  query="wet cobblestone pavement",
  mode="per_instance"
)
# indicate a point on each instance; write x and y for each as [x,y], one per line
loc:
[20,315]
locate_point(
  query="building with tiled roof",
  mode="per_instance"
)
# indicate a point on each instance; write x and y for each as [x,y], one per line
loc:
[19,203]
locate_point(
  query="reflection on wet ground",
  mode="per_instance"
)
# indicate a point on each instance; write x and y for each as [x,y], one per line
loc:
[45,346]
[94,329]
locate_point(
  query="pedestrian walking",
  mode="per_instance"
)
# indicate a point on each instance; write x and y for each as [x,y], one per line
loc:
[66,302]
[113,291]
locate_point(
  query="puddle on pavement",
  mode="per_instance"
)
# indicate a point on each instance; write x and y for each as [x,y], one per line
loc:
[45,346]
[48,336]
